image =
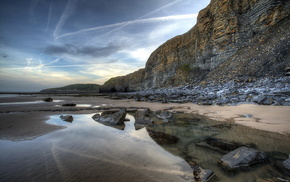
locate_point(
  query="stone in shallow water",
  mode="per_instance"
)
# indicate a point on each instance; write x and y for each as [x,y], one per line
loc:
[67,118]
[202,175]
[284,166]
[164,115]
[111,117]
[47,99]
[220,145]
[142,118]
[242,157]
[162,138]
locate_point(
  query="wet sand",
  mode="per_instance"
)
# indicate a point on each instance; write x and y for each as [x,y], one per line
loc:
[27,120]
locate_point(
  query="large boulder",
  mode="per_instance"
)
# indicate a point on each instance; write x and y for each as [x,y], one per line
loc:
[111,117]
[243,157]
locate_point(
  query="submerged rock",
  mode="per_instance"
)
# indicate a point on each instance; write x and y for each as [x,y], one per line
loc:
[284,166]
[202,175]
[111,117]
[67,118]
[162,138]
[220,145]
[49,99]
[199,173]
[242,157]
[164,115]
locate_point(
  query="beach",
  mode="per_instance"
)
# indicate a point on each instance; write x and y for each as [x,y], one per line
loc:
[24,116]
[33,134]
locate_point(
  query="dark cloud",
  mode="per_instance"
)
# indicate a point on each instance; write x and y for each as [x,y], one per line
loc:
[4,55]
[82,50]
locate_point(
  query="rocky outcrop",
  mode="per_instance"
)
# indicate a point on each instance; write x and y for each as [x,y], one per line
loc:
[232,39]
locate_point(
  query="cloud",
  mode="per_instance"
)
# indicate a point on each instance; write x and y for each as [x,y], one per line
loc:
[3,55]
[49,17]
[70,6]
[123,24]
[91,51]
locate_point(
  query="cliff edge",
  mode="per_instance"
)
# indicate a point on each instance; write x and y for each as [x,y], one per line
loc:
[239,40]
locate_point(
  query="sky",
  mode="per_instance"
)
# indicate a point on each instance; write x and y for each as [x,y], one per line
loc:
[53,43]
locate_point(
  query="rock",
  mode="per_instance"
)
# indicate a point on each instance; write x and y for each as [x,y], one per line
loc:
[142,118]
[162,138]
[238,41]
[220,145]
[164,115]
[67,118]
[203,175]
[246,115]
[199,173]
[264,91]
[111,117]
[284,166]
[242,157]
[69,105]
[47,99]
[267,100]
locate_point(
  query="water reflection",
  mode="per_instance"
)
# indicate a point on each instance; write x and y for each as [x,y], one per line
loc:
[89,151]
[28,102]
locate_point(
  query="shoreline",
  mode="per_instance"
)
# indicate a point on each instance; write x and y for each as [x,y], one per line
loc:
[27,121]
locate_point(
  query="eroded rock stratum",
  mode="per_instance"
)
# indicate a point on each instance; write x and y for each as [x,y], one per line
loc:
[232,40]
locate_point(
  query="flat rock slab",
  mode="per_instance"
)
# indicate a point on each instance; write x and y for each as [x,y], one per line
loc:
[242,157]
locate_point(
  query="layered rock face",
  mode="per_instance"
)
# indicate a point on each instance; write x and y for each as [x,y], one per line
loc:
[232,39]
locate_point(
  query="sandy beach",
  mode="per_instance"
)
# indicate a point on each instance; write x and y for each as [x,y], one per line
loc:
[24,117]
[84,149]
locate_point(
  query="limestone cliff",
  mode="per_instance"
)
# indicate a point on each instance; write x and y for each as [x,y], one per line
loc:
[232,39]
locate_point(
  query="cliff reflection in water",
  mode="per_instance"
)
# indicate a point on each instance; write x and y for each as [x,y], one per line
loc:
[89,151]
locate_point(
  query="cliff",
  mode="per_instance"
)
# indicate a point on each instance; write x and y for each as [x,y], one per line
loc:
[232,40]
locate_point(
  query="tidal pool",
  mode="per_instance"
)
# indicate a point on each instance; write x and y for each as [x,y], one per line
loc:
[89,151]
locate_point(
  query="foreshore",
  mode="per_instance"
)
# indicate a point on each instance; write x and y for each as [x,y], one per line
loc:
[23,117]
